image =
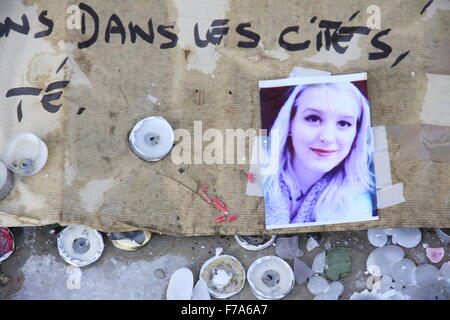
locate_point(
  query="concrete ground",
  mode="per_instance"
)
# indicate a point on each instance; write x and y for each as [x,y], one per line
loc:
[36,270]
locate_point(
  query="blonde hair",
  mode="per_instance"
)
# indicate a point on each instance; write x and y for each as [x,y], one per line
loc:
[353,176]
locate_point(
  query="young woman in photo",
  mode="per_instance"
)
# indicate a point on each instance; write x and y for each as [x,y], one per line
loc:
[321,149]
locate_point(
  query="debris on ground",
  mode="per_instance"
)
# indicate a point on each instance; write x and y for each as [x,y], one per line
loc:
[397,278]
[318,265]
[287,248]
[338,262]
[301,271]
[435,254]
[314,240]
[4,279]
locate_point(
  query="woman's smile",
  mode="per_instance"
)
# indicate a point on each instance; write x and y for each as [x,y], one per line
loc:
[323,153]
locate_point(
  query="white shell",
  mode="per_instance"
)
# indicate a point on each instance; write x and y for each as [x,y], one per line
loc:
[318,284]
[25,154]
[380,260]
[67,238]
[152,138]
[180,285]
[6,181]
[270,268]
[406,237]
[377,237]
[201,291]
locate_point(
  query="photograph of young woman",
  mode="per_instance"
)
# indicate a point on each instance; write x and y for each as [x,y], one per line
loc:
[323,171]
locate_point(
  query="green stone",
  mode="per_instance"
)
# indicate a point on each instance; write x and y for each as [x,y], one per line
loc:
[339,262]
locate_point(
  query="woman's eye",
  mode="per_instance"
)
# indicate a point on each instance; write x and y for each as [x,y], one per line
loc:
[344,124]
[312,119]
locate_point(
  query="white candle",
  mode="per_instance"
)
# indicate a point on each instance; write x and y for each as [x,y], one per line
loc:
[152,138]
[6,181]
[80,245]
[25,154]
[270,278]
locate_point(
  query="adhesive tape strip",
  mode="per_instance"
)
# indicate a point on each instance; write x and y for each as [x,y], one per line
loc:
[381,158]
[390,196]
[437,100]
[387,194]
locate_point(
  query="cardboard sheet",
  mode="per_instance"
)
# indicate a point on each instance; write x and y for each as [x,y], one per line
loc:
[199,61]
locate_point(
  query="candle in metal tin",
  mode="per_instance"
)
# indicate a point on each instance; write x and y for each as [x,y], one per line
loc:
[130,241]
[223,274]
[270,278]
[25,154]
[6,243]
[80,245]
[152,138]
[255,243]
[6,181]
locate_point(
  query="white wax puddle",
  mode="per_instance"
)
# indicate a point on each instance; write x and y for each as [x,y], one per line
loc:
[200,291]
[180,285]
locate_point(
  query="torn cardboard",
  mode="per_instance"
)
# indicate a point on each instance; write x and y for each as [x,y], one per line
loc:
[93,178]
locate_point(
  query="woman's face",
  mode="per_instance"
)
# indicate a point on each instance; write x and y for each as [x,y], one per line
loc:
[323,128]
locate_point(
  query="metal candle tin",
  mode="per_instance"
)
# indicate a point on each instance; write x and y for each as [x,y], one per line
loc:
[270,278]
[6,181]
[80,245]
[223,274]
[255,243]
[6,243]
[151,139]
[130,241]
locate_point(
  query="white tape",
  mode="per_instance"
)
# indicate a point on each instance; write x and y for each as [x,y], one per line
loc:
[390,196]
[381,158]
[436,105]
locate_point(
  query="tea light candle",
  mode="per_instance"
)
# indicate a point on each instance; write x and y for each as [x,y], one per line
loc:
[270,278]
[25,154]
[80,245]
[6,181]
[152,138]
